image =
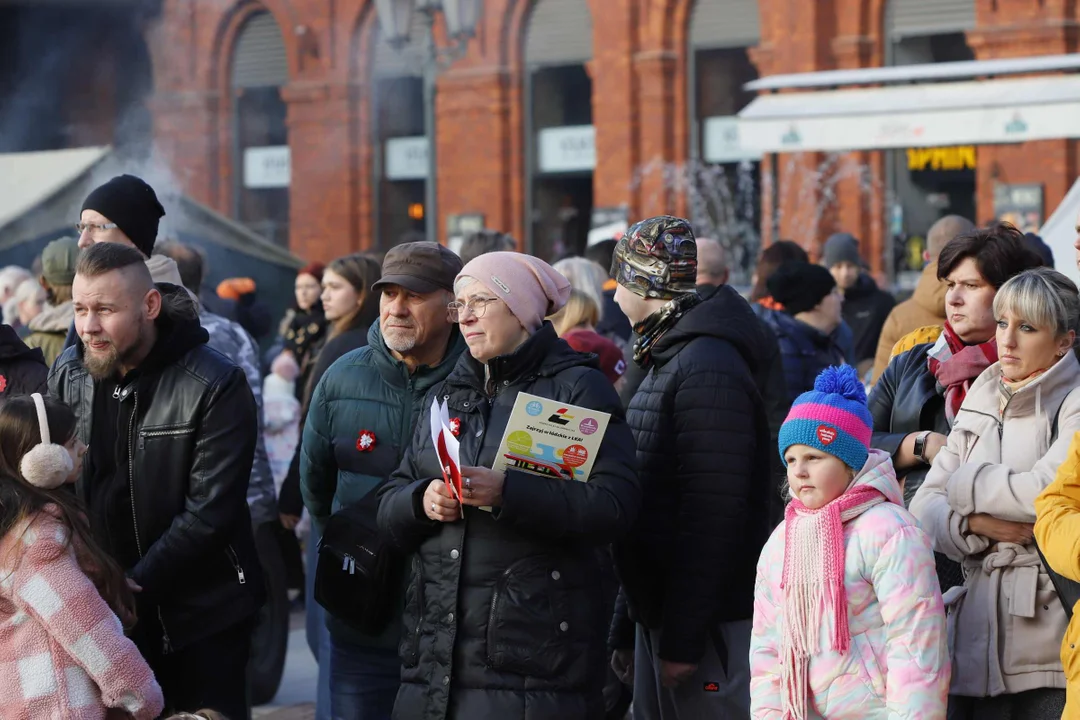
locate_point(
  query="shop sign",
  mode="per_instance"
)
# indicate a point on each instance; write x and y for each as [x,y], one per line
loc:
[959,157]
[722,141]
[1021,205]
[267,167]
[406,158]
[567,149]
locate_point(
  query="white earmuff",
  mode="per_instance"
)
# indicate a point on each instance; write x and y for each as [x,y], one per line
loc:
[47,465]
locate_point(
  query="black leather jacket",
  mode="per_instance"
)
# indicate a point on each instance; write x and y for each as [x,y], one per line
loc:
[187,452]
[906,399]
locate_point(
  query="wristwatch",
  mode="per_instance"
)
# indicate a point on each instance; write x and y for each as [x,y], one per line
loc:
[920,446]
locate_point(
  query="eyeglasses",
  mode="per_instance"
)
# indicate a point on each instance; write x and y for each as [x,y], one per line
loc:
[477,306]
[93,227]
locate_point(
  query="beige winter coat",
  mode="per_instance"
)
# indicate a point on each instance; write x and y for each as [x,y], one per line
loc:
[1005,624]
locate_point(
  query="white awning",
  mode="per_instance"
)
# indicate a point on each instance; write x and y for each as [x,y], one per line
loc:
[29,178]
[925,115]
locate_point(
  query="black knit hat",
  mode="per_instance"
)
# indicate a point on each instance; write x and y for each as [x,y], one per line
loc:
[800,286]
[132,204]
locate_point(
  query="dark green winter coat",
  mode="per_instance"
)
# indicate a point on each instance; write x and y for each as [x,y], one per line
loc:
[366,389]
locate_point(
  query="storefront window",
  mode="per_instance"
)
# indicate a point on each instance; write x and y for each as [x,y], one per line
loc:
[400,135]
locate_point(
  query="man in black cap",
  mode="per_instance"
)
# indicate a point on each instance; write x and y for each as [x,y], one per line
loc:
[806,328]
[125,211]
[360,423]
[865,304]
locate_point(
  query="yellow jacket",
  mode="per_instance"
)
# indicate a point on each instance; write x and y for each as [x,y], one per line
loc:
[1057,530]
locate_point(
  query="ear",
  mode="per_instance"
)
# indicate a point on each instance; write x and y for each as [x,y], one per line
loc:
[1066,342]
[152,304]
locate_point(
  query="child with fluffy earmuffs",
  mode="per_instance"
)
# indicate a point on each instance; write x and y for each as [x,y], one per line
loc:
[63,652]
[848,617]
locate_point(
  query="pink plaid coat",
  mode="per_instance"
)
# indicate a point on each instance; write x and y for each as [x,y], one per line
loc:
[63,653]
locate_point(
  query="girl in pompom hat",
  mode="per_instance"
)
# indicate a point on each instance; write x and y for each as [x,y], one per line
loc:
[848,617]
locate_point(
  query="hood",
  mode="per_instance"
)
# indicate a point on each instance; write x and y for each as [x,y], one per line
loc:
[863,288]
[165,270]
[54,318]
[12,347]
[723,314]
[930,292]
[543,354]
[878,472]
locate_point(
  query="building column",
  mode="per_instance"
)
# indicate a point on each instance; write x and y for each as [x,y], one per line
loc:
[656,113]
[475,145]
[186,136]
[328,208]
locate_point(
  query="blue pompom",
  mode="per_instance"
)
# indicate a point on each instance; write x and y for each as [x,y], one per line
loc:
[841,380]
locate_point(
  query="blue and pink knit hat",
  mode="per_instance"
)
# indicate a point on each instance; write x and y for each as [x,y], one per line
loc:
[832,418]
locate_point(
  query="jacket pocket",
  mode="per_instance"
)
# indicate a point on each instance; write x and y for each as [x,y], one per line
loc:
[413,616]
[870,668]
[529,628]
[1030,641]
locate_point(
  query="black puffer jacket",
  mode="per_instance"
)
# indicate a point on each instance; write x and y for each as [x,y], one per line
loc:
[189,440]
[22,369]
[866,307]
[704,450]
[905,400]
[504,614]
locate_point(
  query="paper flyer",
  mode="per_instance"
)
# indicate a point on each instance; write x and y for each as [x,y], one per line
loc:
[552,439]
[447,448]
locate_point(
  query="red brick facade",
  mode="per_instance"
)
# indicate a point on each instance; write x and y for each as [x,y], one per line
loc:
[639,108]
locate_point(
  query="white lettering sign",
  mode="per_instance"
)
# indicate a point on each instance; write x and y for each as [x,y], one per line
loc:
[406,158]
[722,143]
[567,149]
[267,167]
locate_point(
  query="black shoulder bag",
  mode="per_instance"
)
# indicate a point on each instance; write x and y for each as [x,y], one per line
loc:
[1068,590]
[358,576]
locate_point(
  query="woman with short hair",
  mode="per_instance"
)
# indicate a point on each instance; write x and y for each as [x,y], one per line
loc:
[1011,433]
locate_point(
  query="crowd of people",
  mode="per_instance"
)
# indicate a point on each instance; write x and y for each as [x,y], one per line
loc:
[808,503]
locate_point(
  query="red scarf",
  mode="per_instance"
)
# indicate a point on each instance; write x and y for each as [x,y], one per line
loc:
[955,366]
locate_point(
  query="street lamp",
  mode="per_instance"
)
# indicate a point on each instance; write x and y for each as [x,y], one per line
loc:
[395,17]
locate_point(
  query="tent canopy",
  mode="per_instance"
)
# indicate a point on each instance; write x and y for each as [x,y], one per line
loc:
[41,196]
[1059,232]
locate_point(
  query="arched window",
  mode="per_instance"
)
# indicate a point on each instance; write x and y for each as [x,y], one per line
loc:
[559,133]
[261,161]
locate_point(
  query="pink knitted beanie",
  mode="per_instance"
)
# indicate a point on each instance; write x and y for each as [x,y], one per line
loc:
[530,287]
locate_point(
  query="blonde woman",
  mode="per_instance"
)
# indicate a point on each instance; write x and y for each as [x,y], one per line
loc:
[978,505]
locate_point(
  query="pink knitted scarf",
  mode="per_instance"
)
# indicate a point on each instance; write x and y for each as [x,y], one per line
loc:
[813,585]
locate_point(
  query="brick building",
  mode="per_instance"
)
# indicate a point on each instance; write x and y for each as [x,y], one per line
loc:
[296,117]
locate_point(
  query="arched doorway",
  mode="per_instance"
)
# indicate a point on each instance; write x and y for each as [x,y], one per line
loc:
[926,183]
[559,133]
[724,180]
[400,167]
[261,159]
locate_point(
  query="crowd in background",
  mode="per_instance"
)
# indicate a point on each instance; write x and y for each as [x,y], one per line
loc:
[808,502]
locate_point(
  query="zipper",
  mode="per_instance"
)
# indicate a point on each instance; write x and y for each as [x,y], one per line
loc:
[236,564]
[160,433]
[166,643]
[495,595]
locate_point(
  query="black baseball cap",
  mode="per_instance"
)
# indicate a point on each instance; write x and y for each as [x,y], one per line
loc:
[420,267]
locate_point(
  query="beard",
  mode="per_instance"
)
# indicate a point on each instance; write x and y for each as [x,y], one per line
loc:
[399,339]
[107,364]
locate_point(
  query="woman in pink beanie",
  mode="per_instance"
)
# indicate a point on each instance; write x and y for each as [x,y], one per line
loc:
[506,608]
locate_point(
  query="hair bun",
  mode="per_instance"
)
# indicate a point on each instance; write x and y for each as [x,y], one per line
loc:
[841,380]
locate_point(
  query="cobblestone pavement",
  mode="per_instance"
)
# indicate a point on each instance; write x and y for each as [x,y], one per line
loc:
[296,694]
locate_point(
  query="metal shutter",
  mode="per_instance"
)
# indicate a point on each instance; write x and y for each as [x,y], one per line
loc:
[408,61]
[559,32]
[911,18]
[259,59]
[725,24]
